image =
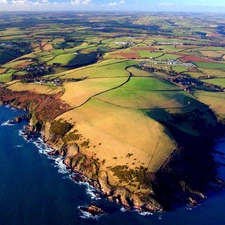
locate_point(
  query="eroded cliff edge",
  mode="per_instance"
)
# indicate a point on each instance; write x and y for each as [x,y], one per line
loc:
[183,177]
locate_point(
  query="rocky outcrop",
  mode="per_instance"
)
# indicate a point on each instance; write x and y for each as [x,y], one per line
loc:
[92,209]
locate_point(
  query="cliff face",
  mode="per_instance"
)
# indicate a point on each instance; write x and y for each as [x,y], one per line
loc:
[182,177]
[42,107]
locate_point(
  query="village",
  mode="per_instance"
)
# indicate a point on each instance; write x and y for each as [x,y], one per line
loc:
[169,62]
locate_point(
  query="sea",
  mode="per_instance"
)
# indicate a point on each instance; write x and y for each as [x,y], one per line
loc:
[36,189]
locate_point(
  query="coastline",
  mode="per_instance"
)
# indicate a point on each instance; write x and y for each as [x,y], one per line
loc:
[161,201]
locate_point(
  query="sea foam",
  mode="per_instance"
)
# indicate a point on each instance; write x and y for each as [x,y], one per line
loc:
[43,148]
[92,192]
[7,123]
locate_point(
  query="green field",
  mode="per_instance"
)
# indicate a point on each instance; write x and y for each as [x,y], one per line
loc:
[194,74]
[105,69]
[168,48]
[139,72]
[20,73]
[168,57]
[145,93]
[179,68]
[219,82]
[57,52]
[210,65]
[63,59]
[215,100]
[213,72]
[5,77]
[146,54]
[77,93]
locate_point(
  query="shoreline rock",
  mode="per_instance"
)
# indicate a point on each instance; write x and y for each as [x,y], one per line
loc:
[92,209]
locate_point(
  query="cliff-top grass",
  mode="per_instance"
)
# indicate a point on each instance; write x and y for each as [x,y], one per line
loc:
[113,132]
[215,100]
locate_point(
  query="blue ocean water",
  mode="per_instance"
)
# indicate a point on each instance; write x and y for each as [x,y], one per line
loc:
[37,190]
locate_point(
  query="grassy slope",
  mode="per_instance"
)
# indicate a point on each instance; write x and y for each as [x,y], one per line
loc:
[39,88]
[119,133]
[213,72]
[145,93]
[104,69]
[219,82]
[76,93]
[215,100]
[210,65]
[6,77]
[63,59]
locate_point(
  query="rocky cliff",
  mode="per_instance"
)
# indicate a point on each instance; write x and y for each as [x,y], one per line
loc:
[182,178]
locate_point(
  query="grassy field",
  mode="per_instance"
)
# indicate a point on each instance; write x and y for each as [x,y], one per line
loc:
[76,93]
[3,70]
[212,53]
[179,68]
[34,87]
[139,72]
[168,48]
[104,69]
[146,54]
[114,136]
[47,47]
[168,57]
[213,72]
[215,100]
[63,59]
[210,65]
[5,77]
[145,93]
[57,52]
[18,64]
[45,59]
[12,64]
[217,81]
[20,73]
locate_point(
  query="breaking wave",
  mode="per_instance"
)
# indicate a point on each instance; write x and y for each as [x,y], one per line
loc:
[7,123]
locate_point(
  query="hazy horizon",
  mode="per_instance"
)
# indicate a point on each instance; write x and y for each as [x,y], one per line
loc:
[216,6]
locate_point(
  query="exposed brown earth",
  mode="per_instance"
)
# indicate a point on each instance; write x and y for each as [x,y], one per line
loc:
[22,65]
[144,49]
[192,58]
[127,55]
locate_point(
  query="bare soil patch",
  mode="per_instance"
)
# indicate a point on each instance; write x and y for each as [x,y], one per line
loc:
[195,59]
[127,55]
